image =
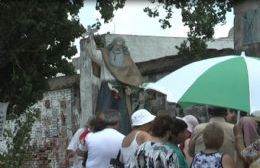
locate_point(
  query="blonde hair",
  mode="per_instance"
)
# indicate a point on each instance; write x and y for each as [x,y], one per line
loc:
[213,136]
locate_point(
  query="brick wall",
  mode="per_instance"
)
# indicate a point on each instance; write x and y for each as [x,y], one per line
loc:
[59,118]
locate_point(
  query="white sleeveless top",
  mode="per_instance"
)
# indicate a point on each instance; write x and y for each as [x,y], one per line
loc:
[128,153]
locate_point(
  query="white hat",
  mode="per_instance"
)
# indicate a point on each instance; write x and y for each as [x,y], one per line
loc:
[141,117]
[191,122]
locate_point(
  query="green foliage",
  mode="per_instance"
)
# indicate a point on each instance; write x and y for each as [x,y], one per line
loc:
[192,49]
[35,42]
[17,140]
[201,17]
[107,7]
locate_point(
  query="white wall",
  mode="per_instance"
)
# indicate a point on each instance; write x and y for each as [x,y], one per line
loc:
[145,48]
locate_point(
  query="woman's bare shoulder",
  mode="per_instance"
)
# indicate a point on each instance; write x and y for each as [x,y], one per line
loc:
[227,162]
[129,138]
[142,137]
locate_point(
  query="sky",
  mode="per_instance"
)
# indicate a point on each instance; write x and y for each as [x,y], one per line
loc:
[133,20]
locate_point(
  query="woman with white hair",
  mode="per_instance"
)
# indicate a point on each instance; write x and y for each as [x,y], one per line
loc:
[141,125]
[192,122]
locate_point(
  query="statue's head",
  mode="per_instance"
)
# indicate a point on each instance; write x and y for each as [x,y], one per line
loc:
[118,46]
[119,41]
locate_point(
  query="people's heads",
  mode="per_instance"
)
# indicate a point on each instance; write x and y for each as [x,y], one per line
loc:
[231,116]
[217,111]
[249,129]
[247,121]
[111,117]
[97,123]
[257,119]
[142,118]
[108,118]
[179,131]
[191,121]
[162,126]
[213,136]
[91,123]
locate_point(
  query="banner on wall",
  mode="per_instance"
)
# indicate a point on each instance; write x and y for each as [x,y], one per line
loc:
[3,109]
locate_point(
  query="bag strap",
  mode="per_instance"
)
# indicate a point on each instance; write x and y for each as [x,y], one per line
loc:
[118,155]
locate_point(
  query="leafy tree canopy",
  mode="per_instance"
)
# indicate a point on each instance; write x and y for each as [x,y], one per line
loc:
[199,16]
[35,42]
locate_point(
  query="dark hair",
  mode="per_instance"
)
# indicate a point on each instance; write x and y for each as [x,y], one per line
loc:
[178,126]
[104,119]
[92,122]
[217,111]
[213,136]
[161,125]
[242,113]
[98,125]
[111,117]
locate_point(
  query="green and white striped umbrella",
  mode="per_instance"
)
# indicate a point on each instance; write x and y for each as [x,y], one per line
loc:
[229,81]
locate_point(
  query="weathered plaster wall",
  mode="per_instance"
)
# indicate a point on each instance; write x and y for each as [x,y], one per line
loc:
[145,48]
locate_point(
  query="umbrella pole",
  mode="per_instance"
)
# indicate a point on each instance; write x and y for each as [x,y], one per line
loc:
[238,116]
[207,114]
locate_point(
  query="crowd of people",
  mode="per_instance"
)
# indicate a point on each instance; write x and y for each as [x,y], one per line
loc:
[166,141]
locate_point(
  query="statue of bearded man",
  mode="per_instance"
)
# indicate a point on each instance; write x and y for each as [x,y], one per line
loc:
[118,60]
[117,50]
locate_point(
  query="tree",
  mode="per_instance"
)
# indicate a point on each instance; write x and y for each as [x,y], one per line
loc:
[35,42]
[107,8]
[36,39]
[201,16]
